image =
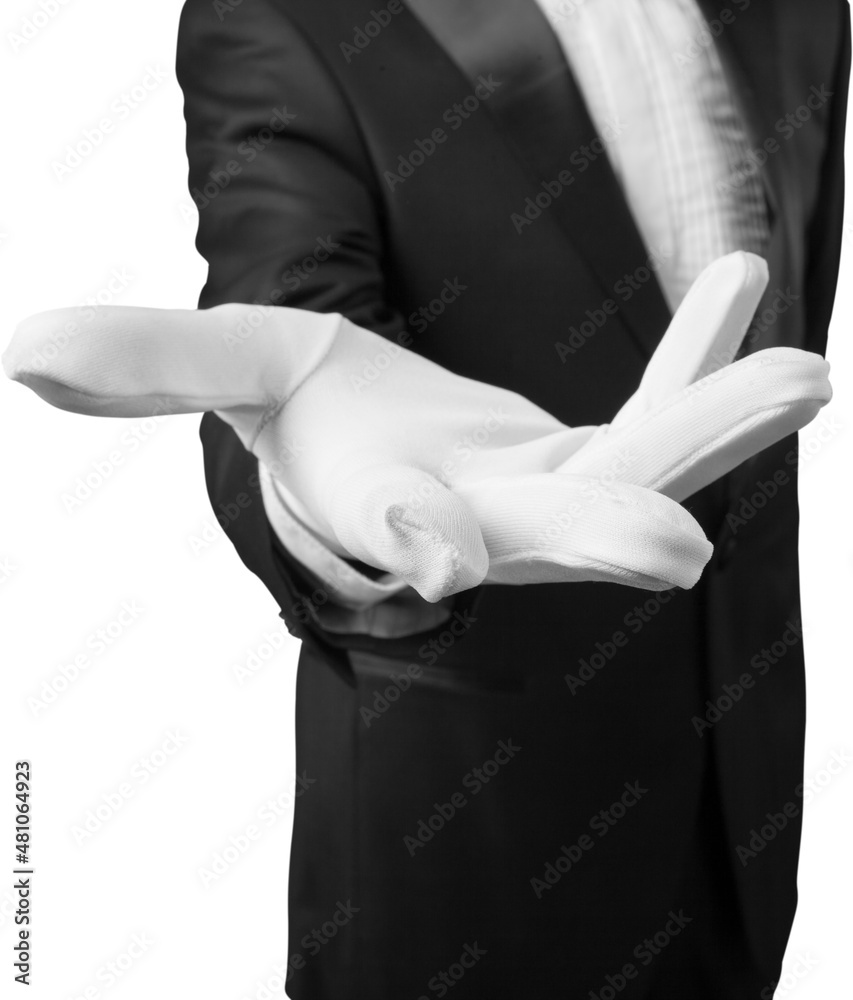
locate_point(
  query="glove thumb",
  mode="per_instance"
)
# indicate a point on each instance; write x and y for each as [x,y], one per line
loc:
[403,520]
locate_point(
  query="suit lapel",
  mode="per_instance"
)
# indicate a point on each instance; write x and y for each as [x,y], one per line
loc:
[544,120]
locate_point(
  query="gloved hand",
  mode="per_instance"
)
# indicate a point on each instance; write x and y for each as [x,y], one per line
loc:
[695,415]
[439,479]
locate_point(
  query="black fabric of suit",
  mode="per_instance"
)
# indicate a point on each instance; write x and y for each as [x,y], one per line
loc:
[672,847]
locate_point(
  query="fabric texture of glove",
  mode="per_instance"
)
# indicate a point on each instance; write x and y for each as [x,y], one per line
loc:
[438,479]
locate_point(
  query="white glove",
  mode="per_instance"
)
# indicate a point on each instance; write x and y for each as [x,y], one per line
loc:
[438,479]
[695,416]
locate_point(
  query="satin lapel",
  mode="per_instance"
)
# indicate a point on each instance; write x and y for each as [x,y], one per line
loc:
[543,117]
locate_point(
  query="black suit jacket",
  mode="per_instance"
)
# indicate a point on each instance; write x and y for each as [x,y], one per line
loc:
[357,206]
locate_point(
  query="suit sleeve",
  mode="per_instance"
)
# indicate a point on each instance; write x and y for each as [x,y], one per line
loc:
[277,168]
[287,216]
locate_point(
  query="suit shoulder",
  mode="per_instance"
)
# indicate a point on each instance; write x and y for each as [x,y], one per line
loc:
[322,16]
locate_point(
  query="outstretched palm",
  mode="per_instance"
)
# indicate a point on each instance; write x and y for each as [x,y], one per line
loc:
[443,480]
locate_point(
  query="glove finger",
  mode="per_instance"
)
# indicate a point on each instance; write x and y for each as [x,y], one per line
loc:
[705,333]
[544,453]
[550,528]
[130,361]
[708,429]
[403,520]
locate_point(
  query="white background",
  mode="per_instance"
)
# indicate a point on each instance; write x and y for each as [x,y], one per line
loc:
[67,573]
